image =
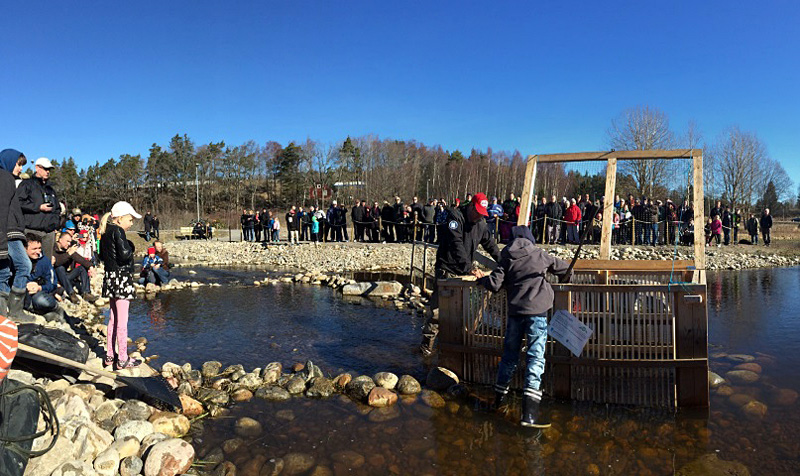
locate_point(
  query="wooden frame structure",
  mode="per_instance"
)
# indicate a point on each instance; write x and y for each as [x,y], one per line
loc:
[650,323]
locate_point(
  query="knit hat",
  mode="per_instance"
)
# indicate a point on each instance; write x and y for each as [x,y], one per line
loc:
[151,250]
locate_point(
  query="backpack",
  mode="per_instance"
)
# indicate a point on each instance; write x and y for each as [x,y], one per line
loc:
[19,416]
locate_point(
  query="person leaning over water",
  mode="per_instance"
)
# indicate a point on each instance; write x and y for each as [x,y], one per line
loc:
[116,252]
[459,236]
[521,271]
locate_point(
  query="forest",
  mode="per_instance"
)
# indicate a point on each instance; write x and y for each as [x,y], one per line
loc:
[221,178]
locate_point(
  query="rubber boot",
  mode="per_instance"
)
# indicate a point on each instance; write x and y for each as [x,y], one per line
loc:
[3,304]
[16,300]
[530,410]
[500,397]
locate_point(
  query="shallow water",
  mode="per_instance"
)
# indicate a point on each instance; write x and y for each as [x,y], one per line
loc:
[751,312]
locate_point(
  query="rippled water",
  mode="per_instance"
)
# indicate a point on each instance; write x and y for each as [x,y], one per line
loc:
[752,312]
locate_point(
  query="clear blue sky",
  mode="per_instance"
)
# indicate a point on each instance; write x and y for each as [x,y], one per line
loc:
[94,80]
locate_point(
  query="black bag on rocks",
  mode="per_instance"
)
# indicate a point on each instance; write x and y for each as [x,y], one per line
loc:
[52,340]
[19,417]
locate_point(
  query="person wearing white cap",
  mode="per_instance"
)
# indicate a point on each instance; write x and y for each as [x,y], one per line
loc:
[41,212]
[116,252]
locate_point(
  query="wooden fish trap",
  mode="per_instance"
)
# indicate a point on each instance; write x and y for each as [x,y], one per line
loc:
[649,345]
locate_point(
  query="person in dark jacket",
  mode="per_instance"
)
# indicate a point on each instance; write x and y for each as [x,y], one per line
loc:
[42,284]
[72,269]
[148,225]
[459,237]
[554,214]
[752,229]
[522,270]
[766,226]
[116,252]
[358,215]
[15,267]
[428,215]
[40,208]
[387,217]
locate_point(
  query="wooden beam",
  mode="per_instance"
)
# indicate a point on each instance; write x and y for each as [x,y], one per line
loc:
[527,192]
[633,265]
[620,155]
[628,288]
[608,208]
[699,218]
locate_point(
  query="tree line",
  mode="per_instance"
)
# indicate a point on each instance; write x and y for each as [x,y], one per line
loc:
[224,178]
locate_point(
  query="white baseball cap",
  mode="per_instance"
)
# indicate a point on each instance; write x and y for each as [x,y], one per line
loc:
[121,209]
[44,162]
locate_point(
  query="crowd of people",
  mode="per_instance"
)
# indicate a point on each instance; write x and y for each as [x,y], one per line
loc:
[635,221]
[48,255]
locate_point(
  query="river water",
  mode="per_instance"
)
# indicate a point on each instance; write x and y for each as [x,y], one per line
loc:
[752,312]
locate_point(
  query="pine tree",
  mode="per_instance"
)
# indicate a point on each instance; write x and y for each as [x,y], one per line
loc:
[770,199]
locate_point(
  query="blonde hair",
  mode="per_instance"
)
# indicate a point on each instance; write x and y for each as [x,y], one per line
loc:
[104,223]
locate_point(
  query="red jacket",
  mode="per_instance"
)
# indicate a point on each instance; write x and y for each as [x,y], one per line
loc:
[573,215]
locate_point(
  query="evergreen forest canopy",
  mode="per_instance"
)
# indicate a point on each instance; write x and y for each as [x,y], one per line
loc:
[251,175]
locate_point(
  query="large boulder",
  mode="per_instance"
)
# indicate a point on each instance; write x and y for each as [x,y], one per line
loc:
[381,397]
[169,458]
[440,379]
[408,385]
[359,387]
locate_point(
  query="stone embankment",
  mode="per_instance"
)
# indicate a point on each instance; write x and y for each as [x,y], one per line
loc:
[342,258]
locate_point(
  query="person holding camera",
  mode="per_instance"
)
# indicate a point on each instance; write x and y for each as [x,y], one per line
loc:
[42,284]
[72,269]
[40,208]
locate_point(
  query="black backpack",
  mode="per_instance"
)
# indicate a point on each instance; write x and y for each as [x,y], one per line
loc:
[19,416]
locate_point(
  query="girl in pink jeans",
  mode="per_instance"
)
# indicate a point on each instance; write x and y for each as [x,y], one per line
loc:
[116,252]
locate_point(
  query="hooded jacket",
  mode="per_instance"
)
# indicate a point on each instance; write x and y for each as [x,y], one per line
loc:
[15,224]
[522,271]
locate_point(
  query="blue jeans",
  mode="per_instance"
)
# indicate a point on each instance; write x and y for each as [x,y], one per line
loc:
[534,329]
[76,280]
[17,264]
[41,302]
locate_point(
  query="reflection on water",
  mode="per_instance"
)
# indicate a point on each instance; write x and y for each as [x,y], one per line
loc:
[750,312]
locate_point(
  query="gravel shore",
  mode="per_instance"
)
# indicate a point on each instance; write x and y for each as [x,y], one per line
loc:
[344,257]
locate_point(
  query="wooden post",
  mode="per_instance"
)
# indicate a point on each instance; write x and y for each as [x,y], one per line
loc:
[527,193]
[699,214]
[633,230]
[608,209]
[380,229]
[544,228]
[496,228]
[691,342]
[562,379]
[413,248]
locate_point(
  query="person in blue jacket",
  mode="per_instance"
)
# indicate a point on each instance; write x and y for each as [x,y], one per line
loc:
[42,284]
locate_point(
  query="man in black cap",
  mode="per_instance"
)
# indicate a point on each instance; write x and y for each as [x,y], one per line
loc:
[459,236]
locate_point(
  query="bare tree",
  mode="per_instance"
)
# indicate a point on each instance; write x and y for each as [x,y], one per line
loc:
[643,128]
[737,158]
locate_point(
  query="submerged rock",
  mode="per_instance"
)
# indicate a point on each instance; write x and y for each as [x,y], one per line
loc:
[321,387]
[432,399]
[742,376]
[711,465]
[297,463]
[248,427]
[273,393]
[381,397]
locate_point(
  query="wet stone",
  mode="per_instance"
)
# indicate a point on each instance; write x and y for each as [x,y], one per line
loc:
[386,380]
[751,366]
[321,387]
[250,381]
[231,445]
[711,465]
[740,358]
[432,399]
[211,369]
[210,395]
[297,463]
[381,397]
[715,380]
[440,379]
[349,458]
[740,399]
[754,410]
[271,373]
[241,395]
[286,414]
[380,415]
[296,384]
[783,397]
[248,427]
[341,381]
[725,390]
[273,393]
[408,385]
[359,387]
[742,376]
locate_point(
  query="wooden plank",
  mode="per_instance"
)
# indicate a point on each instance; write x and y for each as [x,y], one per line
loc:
[632,265]
[608,209]
[699,217]
[691,337]
[562,373]
[527,192]
[620,155]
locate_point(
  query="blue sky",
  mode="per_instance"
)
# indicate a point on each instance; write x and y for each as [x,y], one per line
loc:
[94,80]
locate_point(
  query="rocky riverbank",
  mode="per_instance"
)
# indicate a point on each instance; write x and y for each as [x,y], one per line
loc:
[349,257]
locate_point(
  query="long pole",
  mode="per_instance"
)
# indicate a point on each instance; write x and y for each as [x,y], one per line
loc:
[197,188]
